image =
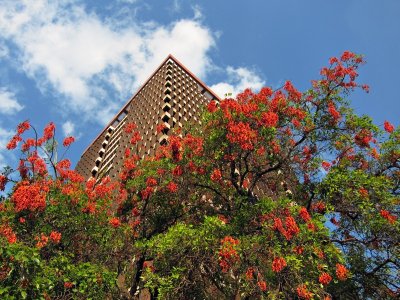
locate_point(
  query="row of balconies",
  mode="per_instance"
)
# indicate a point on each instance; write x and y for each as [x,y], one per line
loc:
[112,131]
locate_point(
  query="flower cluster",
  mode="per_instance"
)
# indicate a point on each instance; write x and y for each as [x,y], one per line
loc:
[7,232]
[388,216]
[30,196]
[343,71]
[333,112]
[3,182]
[262,285]
[325,278]
[114,222]
[341,272]
[303,292]
[216,175]
[21,128]
[241,133]
[228,254]
[269,119]
[55,237]
[388,127]
[278,264]
[304,214]
[172,187]
[68,141]
[291,230]
[43,239]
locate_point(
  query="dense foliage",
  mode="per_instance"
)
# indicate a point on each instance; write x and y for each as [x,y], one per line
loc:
[278,195]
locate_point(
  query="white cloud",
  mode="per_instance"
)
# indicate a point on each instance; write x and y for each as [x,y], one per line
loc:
[68,128]
[198,14]
[5,136]
[238,79]
[8,102]
[91,62]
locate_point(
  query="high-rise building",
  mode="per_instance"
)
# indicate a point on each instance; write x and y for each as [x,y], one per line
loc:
[172,96]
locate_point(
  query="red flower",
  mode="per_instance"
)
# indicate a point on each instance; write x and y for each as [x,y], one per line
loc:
[363,138]
[22,220]
[319,253]
[325,278]
[114,222]
[216,175]
[29,196]
[68,141]
[303,293]
[388,127]
[68,285]
[130,127]
[28,144]
[291,228]
[249,273]
[318,207]
[90,208]
[135,212]
[304,214]
[63,165]
[136,137]
[49,131]
[7,232]
[3,182]
[38,164]
[388,216]
[228,254]
[333,112]
[292,91]
[42,241]
[333,60]
[276,148]
[172,187]
[161,127]
[347,55]
[160,172]
[241,134]
[12,144]
[269,119]
[55,237]
[311,226]
[298,250]
[22,127]
[326,165]
[374,153]
[365,87]
[147,192]
[278,264]
[296,122]
[178,171]
[176,146]
[341,272]
[151,181]
[262,285]
[212,106]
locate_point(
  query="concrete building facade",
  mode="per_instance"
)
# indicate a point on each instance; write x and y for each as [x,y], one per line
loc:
[172,96]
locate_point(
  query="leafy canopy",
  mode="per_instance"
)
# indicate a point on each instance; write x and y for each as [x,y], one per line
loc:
[278,194]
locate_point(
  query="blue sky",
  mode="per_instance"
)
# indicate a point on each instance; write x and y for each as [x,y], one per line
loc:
[77,62]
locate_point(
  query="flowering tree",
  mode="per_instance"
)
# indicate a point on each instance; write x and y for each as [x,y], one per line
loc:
[279,194]
[58,236]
